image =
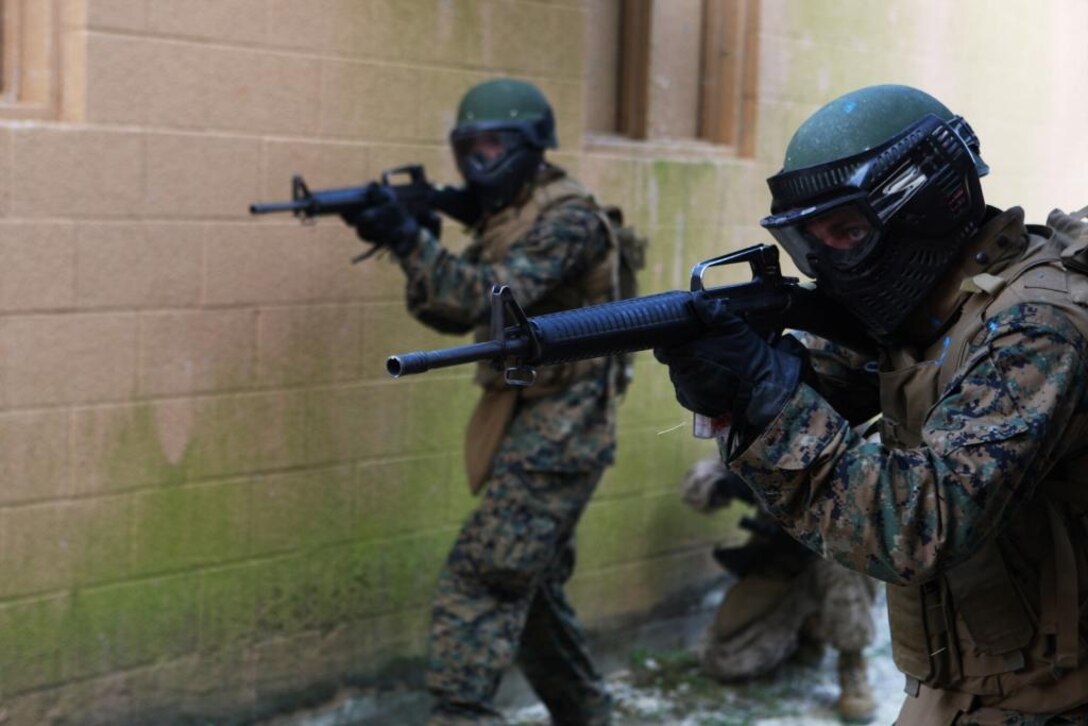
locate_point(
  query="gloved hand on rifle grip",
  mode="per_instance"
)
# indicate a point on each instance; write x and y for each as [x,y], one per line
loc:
[731,369]
[429,220]
[384,223]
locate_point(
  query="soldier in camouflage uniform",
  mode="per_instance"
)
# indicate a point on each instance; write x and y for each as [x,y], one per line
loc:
[785,600]
[972,507]
[535,453]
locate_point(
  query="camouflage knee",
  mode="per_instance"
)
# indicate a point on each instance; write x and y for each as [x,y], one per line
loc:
[846,610]
[506,549]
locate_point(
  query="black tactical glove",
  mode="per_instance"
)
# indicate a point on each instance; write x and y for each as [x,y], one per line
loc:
[431,222]
[459,204]
[731,370]
[384,223]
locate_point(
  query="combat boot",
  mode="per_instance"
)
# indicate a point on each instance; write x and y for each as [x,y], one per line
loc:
[856,703]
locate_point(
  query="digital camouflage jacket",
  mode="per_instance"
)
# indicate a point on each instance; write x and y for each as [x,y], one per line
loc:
[973,505]
[566,422]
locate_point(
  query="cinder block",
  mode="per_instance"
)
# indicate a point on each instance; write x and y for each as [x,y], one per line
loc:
[216,682]
[650,403]
[123,692]
[370,102]
[301,510]
[117,14]
[228,607]
[632,590]
[521,38]
[127,625]
[614,180]
[401,635]
[259,263]
[319,25]
[248,434]
[147,81]
[250,90]
[182,527]
[336,279]
[641,466]
[118,77]
[191,352]
[233,20]
[398,30]
[186,440]
[298,593]
[459,38]
[115,448]
[97,538]
[309,345]
[427,430]
[386,489]
[67,359]
[57,544]
[291,663]
[409,423]
[322,164]
[35,556]
[53,545]
[200,175]
[560,57]
[340,424]
[674,192]
[139,265]
[34,461]
[37,265]
[408,568]
[671,525]
[30,646]
[67,172]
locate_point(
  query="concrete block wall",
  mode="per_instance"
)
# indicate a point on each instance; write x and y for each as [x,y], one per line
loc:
[212,500]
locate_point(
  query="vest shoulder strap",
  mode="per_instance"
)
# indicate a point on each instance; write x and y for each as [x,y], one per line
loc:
[1040,277]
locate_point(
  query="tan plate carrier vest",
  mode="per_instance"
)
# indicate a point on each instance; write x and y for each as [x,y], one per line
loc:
[984,632]
[496,406]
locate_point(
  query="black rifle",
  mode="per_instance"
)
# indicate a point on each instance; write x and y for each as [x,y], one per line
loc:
[417,197]
[519,344]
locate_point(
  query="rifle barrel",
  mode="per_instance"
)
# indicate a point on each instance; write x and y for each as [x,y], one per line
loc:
[276,207]
[425,360]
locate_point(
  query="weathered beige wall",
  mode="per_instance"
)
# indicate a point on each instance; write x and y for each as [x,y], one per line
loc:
[211,497]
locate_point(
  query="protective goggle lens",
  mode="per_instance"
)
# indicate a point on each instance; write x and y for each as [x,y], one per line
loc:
[481,151]
[838,234]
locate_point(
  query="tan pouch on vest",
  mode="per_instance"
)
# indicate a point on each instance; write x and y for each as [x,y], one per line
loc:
[486,428]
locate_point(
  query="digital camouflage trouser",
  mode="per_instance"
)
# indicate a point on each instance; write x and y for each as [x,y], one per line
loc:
[500,600]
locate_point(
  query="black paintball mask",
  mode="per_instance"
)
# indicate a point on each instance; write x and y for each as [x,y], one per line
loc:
[496,162]
[879,229]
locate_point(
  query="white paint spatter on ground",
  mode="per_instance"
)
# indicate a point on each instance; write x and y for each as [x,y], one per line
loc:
[797,695]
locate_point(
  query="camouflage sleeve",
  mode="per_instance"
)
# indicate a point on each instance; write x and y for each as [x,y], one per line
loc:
[452,292]
[845,378]
[903,515]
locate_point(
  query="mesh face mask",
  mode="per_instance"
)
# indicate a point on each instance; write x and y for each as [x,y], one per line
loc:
[496,163]
[878,230]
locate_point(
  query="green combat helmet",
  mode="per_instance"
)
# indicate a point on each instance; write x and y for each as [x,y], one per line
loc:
[878,193]
[503,127]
